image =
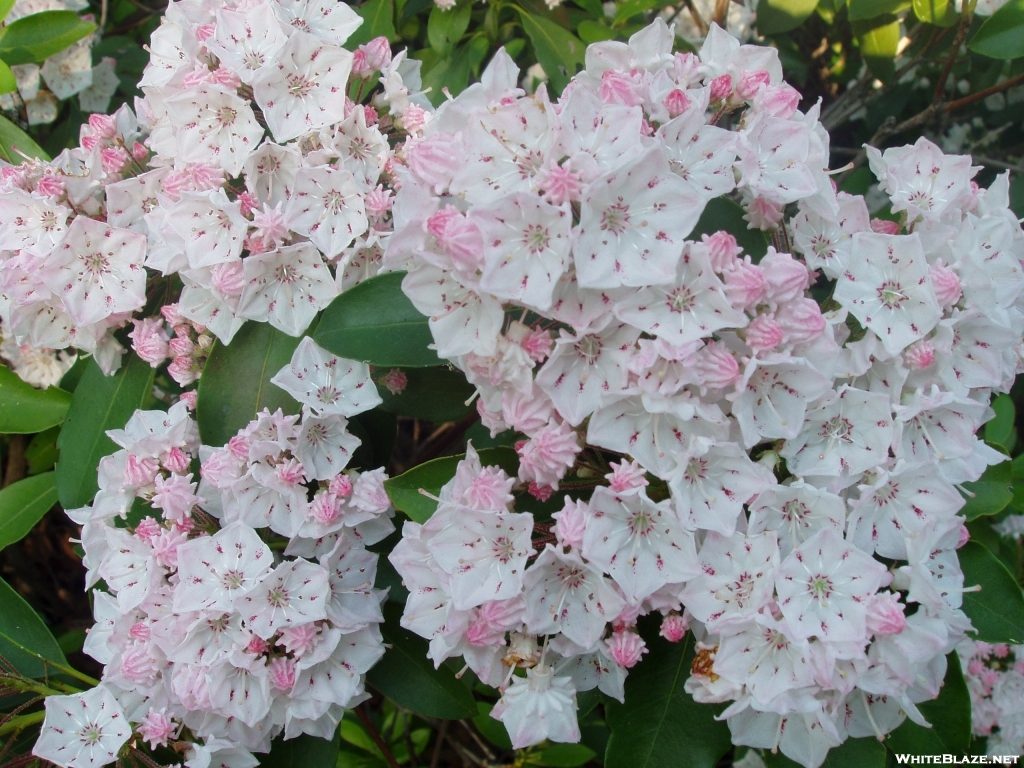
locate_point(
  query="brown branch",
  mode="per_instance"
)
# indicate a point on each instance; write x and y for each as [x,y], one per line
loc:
[961,34]
[372,731]
[997,88]
[435,756]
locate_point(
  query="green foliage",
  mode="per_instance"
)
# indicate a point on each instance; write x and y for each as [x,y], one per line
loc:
[722,213]
[24,639]
[879,39]
[860,10]
[8,82]
[1002,34]
[997,611]
[5,8]
[992,492]
[558,50]
[235,384]
[949,717]
[354,324]
[433,394]
[776,16]
[852,753]
[561,756]
[33,39]
[377,22]
[23,504]
[406,676]
[941,13]
[404,490]
[304,751]
[446,28]
[15,144]
[25,409]
[99,403]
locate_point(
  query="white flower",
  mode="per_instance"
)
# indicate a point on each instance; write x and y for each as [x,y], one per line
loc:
[286,287]
[85,730]
[537,707]
[327,385]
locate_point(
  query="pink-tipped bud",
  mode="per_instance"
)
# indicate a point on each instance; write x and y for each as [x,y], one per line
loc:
[395,381]
[965,536]
[627,648]
[919,355]
[156,728]
[282,673]
[570,523]
[457,237]
[378,202]
[673,627]
[626,476]
[50,185]
[376,55]
[149,340]
[721,88]
[745,285]
[752,82]
[228,278]
[257,645]
[764,333]
[723,250]
[171,314]
[189,399]
[885,227]
[324,508]
[140,152]
[341,486]
[140,472]
[540,492]
[885,614]
[560,184]
[148,528]
[716,366]
[946,283]
[676,102]
[801,321]
[103,125]
[537,344]
[238,446]
[176,461]
[619,88]
[787,278]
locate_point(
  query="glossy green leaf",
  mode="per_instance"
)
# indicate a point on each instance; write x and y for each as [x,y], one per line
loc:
[305,751]
[41,452]
[374,322]
[23,504]
[1001,429]
[25,409]
[660,725]
[558,50]
[591,31]
[404,490]
[432,394]
[627,9]
[861,10]
[446,28]
[777,16]
[562,756]
[35,38]
[949,716]
[406,676]
[449,73]
[941,13]
[997,611]
[378,21]
[993,491]
[5,8]
[376,431]
[492,730]
[235,385]
[852,753]
[24,639]
[1002,34]
[721,213]
[15,144]
[879,39]
[8,82]
[99,403]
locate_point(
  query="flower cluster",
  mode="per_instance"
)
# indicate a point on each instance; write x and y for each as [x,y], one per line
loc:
[63,75]
[995,678]
[240,606]
[191,191]
[792,427]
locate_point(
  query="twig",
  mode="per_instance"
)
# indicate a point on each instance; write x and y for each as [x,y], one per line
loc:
[999,164]
[997,88]
[435,756]
[22,721]
[372,730]
[479,742]
[961,34]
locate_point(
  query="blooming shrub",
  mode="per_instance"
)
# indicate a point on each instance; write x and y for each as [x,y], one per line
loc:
[731,419]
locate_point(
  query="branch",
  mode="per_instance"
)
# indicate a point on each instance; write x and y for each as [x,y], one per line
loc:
[372,731]
[997,88]
[961,34]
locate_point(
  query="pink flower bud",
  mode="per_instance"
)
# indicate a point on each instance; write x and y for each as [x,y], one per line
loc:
[165,546]
[324,508]
[716,366]
[752,82]
[493,620]
[239,447]
[946,283]
[257,645]
[137,665]
[885,227]
[538,344]
[619,88]
[139,630]
[290,472]
[777,101]
[189,399]
[378,202]
[721,88]
[801,321]
[171,314]
[570,523]
[676,102]
[156,728]
[673,627]
[764,333]
[176,461]
[723,250]
[248,203]
[763,214]
[204,32]
[745,285]
[282,673]
[149,340]
[140,472]
[885,614]
[182,346]
[686,66]
[919,355]
[965,536]
[341,486]
[458,237]
[560,184]
[627,648]
[395,381]
[183,370]
[140,152]
[527,413]
[300,639]
[228,278]
[626,476]
[50,185]
[376,55]
[104,126]
[787,278]
[114,159]
[147,528]
[435,159]
[540,492]
[1000,650]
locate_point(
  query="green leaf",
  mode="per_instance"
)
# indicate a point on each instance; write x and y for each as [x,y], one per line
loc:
[404,489]
[558,50]
[378,21]
[24,640]
[1000,430]
[235,385]
[35,38]
[377,431]
[304,751]
[449,73]
[25,409]
[852,753]
[993,491]
[406,676]
[879,40]
[629,8]
[721,213]
[41,452]
[23,504]
[861,10]
[949,716]
[997,611]
[660,725]
[432,394]
[374,322]
[15,144]
[5,8]
[446,28]
[594,32]
[492,730]
[777,16]
[1002,34]
[8,82]
[562,756]
[941,13]
[99,403]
